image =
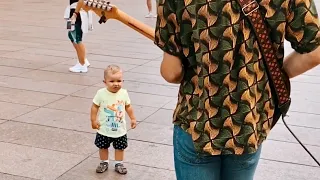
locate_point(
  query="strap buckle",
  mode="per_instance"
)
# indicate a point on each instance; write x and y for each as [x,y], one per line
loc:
[250,7]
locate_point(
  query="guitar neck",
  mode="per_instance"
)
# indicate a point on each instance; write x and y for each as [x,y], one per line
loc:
[138,26]
[121,16]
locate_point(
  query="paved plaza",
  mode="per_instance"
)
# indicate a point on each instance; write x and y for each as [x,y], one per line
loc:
[45,130]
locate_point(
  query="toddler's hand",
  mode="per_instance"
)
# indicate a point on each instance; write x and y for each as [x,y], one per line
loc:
[95,125]
[133,123]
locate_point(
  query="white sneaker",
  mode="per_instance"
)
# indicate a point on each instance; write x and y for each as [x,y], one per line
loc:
[86,62]
[79,68]
[149,15]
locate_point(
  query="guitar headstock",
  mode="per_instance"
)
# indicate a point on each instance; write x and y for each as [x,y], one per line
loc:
[102,8]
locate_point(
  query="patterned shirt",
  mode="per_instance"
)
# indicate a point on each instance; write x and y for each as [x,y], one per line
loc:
[224,100]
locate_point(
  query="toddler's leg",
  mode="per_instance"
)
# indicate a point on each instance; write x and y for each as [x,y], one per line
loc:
[104,154]
[120,144]
[103,143]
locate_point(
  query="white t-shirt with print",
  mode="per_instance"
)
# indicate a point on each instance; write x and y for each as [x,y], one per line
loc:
[112,112]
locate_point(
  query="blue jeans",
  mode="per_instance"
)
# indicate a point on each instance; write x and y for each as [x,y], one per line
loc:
[190,165]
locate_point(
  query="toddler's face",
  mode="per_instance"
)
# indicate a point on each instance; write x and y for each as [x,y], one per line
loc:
[114,81]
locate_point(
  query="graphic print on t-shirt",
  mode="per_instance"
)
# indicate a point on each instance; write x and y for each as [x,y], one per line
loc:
[114,115]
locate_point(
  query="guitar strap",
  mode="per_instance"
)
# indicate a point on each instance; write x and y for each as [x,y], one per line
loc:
[279,81]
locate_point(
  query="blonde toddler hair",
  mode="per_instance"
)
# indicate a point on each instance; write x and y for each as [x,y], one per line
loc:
[113,69]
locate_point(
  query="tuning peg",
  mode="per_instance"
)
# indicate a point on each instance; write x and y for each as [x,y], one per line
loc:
[99,5]
[85,2]
[90,2]
[104,6]
[109,7]
[94,4]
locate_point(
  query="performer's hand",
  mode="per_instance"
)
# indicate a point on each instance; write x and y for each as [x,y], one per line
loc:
[95,125]
[133,123]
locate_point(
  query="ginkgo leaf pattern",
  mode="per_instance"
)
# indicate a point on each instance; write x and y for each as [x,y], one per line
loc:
[225,101]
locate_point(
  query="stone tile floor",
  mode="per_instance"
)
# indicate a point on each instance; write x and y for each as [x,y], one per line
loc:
[44,110]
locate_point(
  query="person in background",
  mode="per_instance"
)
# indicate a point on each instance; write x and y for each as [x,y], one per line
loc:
[149,5]
[82,22]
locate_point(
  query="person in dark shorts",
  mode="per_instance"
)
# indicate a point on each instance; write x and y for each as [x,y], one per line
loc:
[111,104]
[82,23]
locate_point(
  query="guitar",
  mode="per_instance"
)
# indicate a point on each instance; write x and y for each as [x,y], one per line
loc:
[107,11]
[171,70]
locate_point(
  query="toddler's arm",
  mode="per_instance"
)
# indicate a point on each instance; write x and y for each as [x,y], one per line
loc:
[94,111]
[129,110]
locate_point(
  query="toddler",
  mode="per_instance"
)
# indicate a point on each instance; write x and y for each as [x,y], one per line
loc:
[112,103]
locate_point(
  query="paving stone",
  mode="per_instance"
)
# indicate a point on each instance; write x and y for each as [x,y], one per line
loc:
[83,105]
[19,43]
[29,97]
[155,89]
[34,64]
[303,119]
[60,77]
[315,151]
[286,152]
[9,48]
[171,105]
[12,177]
[86,170]
[308,136]
[47,138]
[153,133]
[42,86]
[37,163]
[101,65]
[146,70]
[112,59]
[75,104]
[306,106]
[307,79]
[58,118]
[148,154]
[161,117]
[149,99]
[48,52]
[281,133]
[31,61]
[273,170]
[155,64]
[12,71]
[62,68]
[152,79]
[9,110]
[88,92]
